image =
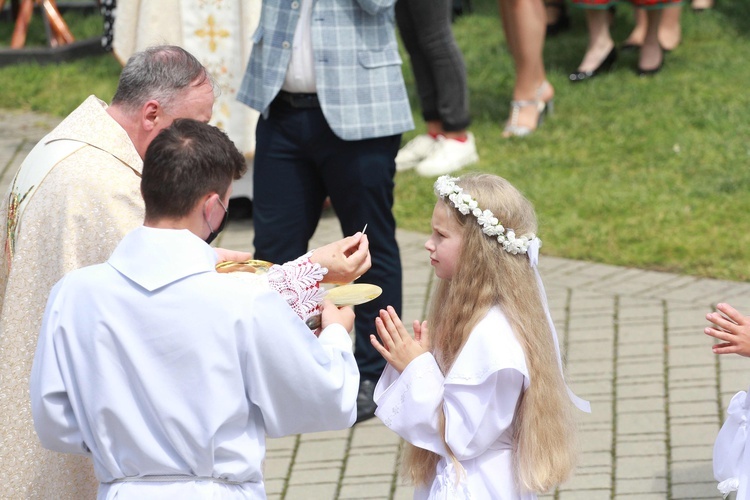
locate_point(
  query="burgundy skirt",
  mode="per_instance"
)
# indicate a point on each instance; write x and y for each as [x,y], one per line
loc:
[646,4]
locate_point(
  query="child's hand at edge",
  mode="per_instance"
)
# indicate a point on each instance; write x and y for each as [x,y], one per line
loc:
[398,347]
[731,328]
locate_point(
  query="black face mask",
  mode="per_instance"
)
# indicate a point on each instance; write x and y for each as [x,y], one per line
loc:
[212,235]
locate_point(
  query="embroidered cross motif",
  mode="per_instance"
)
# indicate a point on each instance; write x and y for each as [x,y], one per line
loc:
[212,32]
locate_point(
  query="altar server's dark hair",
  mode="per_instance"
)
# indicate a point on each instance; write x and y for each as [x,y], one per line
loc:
[184,162]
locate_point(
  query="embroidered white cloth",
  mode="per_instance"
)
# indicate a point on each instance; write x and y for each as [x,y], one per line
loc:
[731,457]
[159,366]
[298,282]
[478,396]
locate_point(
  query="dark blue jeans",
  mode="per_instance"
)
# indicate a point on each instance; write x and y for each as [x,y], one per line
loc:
[298,162]
[436,60]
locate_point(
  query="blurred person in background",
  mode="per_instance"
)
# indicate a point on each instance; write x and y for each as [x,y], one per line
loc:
[440,75]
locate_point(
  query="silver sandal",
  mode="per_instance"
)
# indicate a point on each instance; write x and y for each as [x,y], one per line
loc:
[513,129]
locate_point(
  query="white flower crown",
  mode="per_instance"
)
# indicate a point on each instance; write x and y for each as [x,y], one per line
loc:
[446,187]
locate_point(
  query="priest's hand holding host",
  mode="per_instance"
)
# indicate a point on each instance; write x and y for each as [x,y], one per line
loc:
[346,259]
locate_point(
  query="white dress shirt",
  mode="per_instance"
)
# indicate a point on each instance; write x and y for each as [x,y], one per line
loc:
[300,76]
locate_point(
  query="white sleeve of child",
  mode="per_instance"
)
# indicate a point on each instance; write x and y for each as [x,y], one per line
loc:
[731,454]
[408,403]
[476,414]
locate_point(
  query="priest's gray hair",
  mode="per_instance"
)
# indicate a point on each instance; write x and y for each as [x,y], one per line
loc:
[161,73]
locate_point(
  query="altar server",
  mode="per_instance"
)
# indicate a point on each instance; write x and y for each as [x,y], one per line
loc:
[168,374]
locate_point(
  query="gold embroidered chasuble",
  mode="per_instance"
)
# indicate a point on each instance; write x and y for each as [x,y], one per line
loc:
[78,213]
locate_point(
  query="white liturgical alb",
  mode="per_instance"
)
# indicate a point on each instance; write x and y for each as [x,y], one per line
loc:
[157,366]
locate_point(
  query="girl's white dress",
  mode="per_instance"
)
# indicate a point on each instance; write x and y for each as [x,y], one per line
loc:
[731,450]
[479,397]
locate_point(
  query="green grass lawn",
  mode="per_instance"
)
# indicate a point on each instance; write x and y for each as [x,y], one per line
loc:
[644,172]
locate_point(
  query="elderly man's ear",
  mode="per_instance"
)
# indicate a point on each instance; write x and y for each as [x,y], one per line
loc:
[151,115]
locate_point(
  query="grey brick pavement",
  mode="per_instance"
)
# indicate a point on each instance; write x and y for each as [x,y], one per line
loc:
[634,347]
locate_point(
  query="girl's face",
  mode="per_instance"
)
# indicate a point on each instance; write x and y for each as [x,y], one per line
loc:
[444,244]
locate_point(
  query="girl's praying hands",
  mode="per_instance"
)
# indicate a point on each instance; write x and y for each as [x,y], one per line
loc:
[398,347]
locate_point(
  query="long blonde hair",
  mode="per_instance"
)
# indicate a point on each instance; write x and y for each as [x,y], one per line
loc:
[544,447]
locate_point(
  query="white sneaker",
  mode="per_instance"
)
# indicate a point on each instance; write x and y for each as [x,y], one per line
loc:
[449,155]
[415,151]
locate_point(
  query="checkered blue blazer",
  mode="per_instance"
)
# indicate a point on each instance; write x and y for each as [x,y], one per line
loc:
[357,65]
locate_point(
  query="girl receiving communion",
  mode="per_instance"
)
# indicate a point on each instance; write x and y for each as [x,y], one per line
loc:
[480,397]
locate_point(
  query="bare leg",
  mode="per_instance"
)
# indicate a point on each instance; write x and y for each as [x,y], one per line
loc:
[509,28]
[435,128]
[702,4]
[524,22]
[635,38]
[554,9]
[670,31]
[600,40]
[651,54]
